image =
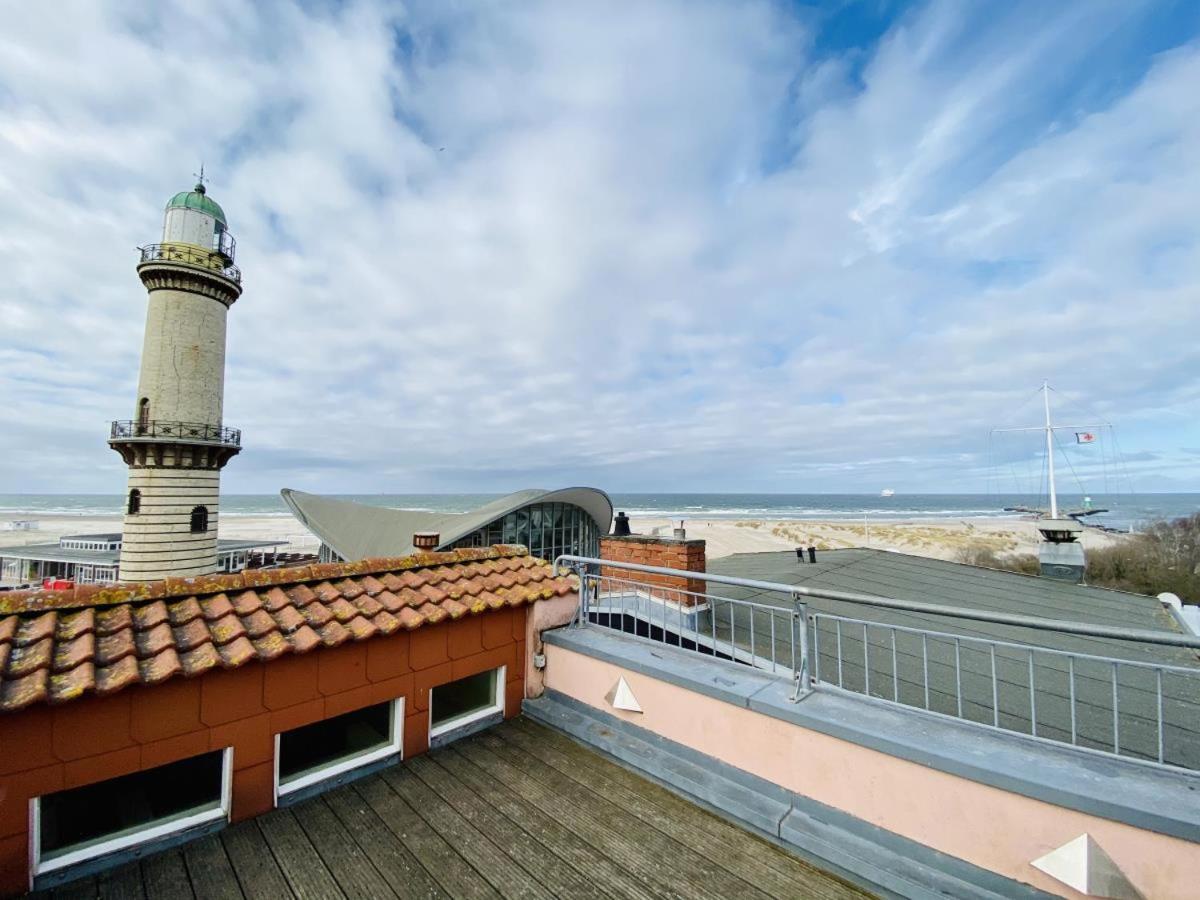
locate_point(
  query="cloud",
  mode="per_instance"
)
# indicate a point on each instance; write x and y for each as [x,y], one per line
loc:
[541,244]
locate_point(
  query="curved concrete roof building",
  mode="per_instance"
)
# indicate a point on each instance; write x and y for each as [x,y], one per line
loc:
[570,520]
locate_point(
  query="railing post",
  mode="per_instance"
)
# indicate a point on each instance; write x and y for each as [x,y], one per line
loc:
[580,571]
[800,686]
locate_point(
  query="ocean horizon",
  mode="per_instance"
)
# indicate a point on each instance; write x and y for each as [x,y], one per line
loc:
[1124,511]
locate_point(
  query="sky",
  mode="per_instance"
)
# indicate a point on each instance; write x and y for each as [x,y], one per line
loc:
[654,246]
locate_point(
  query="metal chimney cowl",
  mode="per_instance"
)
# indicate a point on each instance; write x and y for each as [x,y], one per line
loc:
[426,540]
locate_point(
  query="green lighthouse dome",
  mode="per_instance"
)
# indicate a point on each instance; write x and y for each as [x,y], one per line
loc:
[198,199]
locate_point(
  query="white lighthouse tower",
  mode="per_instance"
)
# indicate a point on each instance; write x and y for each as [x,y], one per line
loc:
[176,443]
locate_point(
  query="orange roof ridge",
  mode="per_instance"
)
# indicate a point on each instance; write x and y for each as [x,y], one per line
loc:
[97,595]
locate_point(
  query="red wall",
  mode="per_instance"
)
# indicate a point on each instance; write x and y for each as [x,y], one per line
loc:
[667,553]
[45,749]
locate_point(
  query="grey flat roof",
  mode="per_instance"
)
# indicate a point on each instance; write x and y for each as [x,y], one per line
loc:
[886,574]
[361,531]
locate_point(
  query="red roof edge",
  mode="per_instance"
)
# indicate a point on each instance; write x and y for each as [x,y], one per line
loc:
[98,595]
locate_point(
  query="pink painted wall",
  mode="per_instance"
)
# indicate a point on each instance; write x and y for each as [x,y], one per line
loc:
[989,827]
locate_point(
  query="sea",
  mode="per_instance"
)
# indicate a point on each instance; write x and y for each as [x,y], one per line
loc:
[1124,512]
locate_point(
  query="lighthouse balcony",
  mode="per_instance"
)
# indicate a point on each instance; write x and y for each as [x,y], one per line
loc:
[218,260]
[175,432]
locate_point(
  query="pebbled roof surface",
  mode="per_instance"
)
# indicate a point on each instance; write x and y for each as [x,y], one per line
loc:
[56,646]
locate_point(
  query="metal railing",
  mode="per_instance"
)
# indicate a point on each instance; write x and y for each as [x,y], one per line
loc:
[213,260]
[178,431]
[1143,709]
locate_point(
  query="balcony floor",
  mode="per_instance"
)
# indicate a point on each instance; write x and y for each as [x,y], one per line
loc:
[517,811]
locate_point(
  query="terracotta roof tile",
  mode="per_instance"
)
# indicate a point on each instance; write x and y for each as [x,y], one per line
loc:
[113,647]
[333,633]
[200,660]
[20,692]
[302,595]
[385,622]
[275,599]
[410,618]
[270,645]
[153,641]
[316,614]
[72,625]
[116,619]
[184,611]
[371,584]
[31,631]
[121,674]
[288,619]
[31,657]
[326,592]
[361,629]
[69,654]
[56,646]
[246,602]
[259,623]
[75,683]
[237,652]
[150,615]
[304,639]
[350,589]
[215,607]
[159,668]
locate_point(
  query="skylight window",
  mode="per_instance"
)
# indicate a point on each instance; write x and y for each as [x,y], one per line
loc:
[466,702]
[329,748]
[83,823]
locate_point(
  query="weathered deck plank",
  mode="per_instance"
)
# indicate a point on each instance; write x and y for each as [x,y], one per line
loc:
[257,873]
[352,869]
[298,860]
[165,876]
[210,871]
[667,864]
[438,858]
[545,828]
[403,873]
[743,854]
[122,883]
[508,878]
[559,877]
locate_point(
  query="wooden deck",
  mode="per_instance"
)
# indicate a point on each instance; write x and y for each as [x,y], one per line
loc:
[518,811]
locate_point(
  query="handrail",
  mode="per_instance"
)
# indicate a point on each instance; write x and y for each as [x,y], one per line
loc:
[193,256]
[795,591]
[130,429]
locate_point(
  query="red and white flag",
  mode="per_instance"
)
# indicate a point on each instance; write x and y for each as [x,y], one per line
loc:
[1084,437]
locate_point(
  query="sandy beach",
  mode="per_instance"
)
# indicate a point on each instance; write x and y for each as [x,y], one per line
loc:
[938,538]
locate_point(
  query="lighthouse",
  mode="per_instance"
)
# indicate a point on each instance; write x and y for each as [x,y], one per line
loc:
[177,443]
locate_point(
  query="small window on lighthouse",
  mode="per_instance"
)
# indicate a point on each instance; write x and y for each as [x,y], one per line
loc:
[135,502]
[199,518]
[143,414]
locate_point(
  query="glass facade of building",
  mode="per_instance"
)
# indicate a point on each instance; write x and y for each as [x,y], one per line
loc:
[547,529]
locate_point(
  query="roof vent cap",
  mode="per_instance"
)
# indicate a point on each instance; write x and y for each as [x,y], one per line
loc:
[426,540]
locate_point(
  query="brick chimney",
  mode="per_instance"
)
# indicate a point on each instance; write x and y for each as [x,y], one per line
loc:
[668,553]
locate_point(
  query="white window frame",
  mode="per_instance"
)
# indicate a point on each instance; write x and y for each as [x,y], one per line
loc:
[394,746]
[143,835]
[474,716]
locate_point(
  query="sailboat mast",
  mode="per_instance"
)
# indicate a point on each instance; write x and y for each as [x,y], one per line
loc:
[1050,451]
